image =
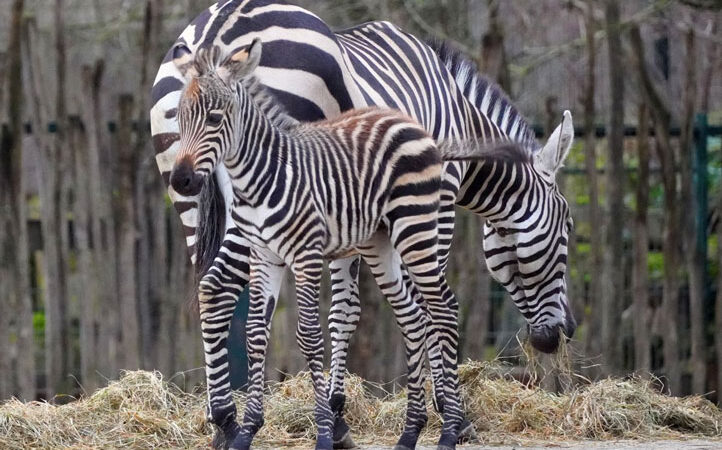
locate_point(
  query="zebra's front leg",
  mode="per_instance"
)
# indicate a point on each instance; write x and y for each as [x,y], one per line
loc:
[266,278]
[342,321]
[385,265]
[218,294]
[307,268]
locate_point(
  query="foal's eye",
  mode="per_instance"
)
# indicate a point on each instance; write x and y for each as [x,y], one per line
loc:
[214,118]
[503,232]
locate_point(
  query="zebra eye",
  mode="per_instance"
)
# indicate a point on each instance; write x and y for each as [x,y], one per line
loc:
[503,232]
[214,118]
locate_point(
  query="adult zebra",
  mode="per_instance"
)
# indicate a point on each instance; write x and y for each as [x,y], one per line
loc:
[315,73]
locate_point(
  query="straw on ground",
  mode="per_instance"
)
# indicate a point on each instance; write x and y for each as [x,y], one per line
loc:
[141,411]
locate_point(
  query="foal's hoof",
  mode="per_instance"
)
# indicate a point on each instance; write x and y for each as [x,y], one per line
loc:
[219,441]
[468,435]
[222,440]
[324,443]
[241,443]
[345,442]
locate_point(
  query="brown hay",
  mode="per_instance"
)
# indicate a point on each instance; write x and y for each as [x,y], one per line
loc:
[141,411]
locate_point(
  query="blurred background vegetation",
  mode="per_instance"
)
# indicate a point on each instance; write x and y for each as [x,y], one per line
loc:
[94,276]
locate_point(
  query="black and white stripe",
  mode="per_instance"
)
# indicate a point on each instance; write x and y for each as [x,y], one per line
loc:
[366,182]
[315,73]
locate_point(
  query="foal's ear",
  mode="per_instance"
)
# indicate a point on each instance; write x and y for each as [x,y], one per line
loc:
[241,64]
[183,60]
[551,157]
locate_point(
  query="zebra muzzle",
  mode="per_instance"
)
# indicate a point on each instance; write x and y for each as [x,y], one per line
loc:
[185,180]
[546,338]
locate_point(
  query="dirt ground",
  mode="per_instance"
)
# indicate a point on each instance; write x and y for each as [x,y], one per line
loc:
[693,444]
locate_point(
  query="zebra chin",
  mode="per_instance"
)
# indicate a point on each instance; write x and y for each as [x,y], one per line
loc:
[185,180]
[546,338]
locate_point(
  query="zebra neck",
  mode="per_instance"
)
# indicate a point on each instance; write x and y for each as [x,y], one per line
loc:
[511,191]
[259,160]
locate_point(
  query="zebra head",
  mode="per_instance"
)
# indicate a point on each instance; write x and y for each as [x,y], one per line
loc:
[209,111]
[525,245]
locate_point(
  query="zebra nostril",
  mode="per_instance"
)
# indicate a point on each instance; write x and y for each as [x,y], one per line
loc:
[184,180]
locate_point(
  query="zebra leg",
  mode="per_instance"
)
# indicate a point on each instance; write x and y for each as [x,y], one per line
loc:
[266,278]
[307,269]
[385,265]
[418,250]
[342,321]
[218,294]
[446,221]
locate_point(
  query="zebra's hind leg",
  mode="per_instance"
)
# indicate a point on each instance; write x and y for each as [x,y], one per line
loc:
[342,321]
[218,294]
[266,278]
[307,268]
[386,268]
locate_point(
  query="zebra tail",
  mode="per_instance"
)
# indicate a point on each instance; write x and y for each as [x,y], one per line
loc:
[209,232]
[473,150]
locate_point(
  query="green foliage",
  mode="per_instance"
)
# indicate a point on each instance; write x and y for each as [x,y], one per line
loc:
[39,326]
[583,248]
[582,199]
[655,265]
[576,155]
[33,207]
[712,257]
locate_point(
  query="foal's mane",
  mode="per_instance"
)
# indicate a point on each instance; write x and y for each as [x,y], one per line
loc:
[208,62]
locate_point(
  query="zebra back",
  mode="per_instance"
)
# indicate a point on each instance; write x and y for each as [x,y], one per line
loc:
[486,95]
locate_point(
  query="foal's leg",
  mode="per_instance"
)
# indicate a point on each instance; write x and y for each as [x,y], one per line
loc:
[266,278]
[218,294]
[342,321]
[307,268]
[446,220]
[415,238]
[386,268]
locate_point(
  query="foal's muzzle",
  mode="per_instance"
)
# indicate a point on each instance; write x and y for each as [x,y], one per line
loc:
[185,180]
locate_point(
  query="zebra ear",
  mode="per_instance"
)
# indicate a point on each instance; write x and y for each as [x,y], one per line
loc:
[241,64]
[183,60]
[551,157]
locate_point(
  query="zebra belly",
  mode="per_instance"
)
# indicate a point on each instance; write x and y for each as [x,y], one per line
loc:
[343,237]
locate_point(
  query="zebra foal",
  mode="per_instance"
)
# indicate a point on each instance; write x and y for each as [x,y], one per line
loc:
[366,182]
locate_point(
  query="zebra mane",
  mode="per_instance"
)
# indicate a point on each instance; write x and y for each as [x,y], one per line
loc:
[210,61]
[268,104]
[487,96]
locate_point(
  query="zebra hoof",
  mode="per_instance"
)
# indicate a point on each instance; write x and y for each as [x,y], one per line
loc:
[241,443]
[402,447]
[223,438]
[345,442]
[324,443]
[468,435]
[219,441]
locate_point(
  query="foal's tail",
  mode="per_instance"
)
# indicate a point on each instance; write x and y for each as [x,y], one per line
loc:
[474,150]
